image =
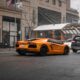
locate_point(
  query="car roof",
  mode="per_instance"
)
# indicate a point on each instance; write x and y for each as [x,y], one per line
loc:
[38,40]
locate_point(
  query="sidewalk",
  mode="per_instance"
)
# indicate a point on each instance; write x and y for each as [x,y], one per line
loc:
[7,50]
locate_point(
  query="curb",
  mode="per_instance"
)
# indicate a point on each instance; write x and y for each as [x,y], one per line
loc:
[7,50]
[3,52]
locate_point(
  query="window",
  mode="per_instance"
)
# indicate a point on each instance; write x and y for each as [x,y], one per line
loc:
[54,2]
[47,1]
[60,3]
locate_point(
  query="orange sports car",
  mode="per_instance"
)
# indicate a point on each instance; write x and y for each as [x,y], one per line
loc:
[42,46]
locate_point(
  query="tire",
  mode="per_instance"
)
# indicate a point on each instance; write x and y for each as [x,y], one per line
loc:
[74,50]
[22,52]
[66,50]
[43,50]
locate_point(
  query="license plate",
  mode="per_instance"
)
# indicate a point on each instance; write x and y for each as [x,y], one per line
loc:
[21,45]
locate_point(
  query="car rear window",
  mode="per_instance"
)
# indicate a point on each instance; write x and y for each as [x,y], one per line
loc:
[33,39]
[55,41]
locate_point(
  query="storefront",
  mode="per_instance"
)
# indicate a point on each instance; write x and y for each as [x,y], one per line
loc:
[10,31]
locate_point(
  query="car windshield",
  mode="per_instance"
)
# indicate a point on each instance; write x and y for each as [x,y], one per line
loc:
[77,38]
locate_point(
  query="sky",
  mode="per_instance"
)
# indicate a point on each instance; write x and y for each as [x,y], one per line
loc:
[75,4]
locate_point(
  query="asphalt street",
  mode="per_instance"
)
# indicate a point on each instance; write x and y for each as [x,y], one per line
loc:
[52,67]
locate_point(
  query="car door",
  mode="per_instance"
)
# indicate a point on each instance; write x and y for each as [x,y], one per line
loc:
[56,48]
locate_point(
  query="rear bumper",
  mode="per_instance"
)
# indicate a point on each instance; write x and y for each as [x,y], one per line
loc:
[26,50]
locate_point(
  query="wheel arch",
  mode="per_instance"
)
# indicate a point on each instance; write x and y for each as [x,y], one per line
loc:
[68,50]
[44,45]
[67,47]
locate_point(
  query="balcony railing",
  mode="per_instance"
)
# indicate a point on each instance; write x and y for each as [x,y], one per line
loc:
[3,5]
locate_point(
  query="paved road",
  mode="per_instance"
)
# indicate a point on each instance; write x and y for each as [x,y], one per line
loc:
[55,67]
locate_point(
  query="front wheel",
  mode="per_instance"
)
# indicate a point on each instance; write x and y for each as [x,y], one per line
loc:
[43,50]
[66,50]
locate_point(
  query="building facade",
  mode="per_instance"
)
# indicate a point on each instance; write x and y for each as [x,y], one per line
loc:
[10,20]
[19,17]
[41,12]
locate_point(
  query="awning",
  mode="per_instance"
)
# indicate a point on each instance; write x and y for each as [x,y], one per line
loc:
[73,28]
[51,27]
[58,26]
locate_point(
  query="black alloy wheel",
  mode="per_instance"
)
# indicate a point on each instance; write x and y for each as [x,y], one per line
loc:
[22,52]
[43,50]
[66,50]
[74,50]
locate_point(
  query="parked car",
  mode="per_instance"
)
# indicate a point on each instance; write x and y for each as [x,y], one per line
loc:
[42,46]
[75,45]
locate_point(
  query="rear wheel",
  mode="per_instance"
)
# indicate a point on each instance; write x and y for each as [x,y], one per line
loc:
[66,50]
[22,52]
[74,50]
[43,50]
